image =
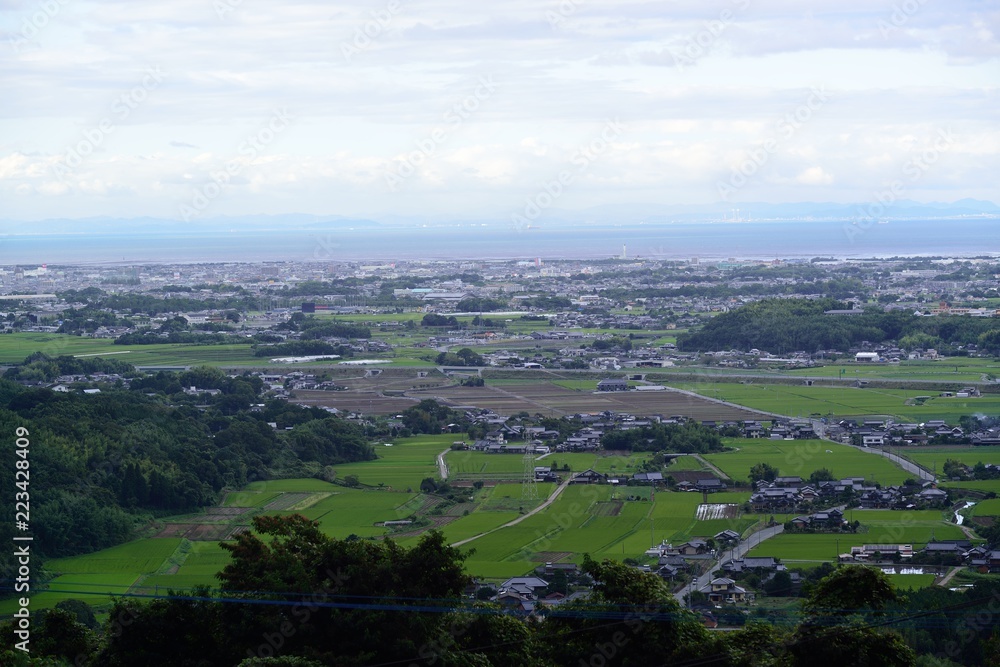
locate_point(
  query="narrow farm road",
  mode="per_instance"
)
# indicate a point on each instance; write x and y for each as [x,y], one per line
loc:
[710,466]
[442,466]
[908,466]
[551,499]
[947,578]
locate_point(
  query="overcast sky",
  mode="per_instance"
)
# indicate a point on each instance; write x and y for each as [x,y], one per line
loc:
[447,108]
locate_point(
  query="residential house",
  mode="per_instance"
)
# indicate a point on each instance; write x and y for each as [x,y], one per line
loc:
[693,548]
[724,589]
[612,384]
[648,478]
[589,476]
[710,484]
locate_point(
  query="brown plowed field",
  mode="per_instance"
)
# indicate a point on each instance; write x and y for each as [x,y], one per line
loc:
[205,532]
[551,556]
[348,401]
[532,397]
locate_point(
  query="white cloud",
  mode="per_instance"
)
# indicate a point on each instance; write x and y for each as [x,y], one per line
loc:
[814,176]
[891,89]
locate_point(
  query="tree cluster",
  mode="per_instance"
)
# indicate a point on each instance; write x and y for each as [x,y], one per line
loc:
[788,325]
[688,437]
[292,596]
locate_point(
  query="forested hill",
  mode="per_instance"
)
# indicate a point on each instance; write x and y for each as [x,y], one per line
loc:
[780,326]
[102,465]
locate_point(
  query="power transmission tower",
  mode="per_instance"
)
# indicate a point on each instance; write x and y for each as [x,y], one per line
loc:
[529,486]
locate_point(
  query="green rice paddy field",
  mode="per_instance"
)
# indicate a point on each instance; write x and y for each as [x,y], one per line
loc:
[15,347]
[96,577]
[403,465]
[933,458]
[957,369]
[596,520]
[802,457]
[844,402]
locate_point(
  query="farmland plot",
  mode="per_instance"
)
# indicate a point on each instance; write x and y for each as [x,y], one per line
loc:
[802,457]
[717,511]
[95,577]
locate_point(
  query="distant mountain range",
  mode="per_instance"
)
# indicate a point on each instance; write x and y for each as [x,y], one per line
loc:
[606,214]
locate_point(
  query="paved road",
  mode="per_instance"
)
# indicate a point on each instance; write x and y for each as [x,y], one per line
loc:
[908,466]
[736,552]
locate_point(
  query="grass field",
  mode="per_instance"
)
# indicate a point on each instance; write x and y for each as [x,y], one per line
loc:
[957,369]
[96,577]
[596,520]
[878,527]
[15,347]
[802,457]
[989,507]
[686,463]
[403,465]
[843,402]
[933,458]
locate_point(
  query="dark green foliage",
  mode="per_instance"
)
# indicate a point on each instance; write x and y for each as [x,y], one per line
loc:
[136,303]
[821,475]
[302,559]
[88,320]
[841,624]
[186,337]
[763,471]
[687,437]
[102,464]
[778,585]
[630,619]
[39,367]
[330,441]
[435,320]
[616,343]
[313,328]
[429,416]
[787,325]
[464,357]
[58,633]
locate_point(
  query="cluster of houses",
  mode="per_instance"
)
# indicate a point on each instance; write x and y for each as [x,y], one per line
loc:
[791,493]
[951,552]
[878,432]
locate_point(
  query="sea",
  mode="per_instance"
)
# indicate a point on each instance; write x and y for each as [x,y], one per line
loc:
[384,243]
